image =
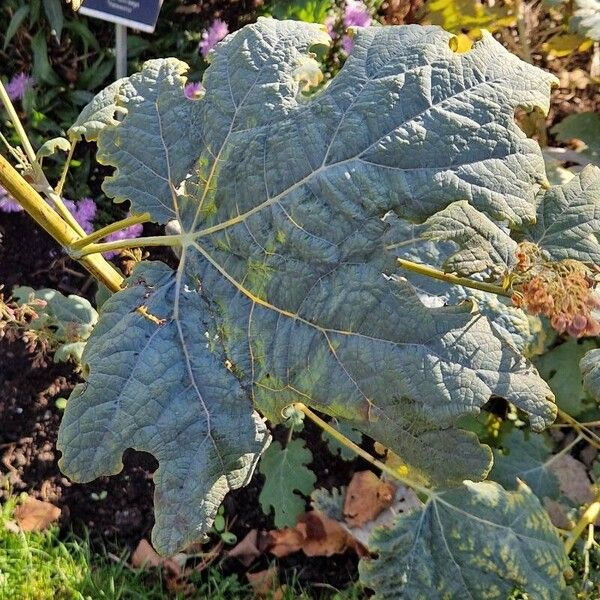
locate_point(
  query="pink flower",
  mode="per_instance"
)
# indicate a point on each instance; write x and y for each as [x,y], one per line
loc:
[7,203]
[356,14]
[133,231]
[84,212]
[17,86]
[216,31]
[194,90]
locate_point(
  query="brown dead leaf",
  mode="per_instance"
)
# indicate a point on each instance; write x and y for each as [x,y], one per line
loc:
[405,500]
[323,536]
[366,497]
[265,584]
[316,535]
[285,541]
[250,548]
[146,556]
[573,479]
[35,515]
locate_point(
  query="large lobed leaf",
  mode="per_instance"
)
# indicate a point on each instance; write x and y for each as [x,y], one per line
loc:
[477,541]
[150,388]
[284,258]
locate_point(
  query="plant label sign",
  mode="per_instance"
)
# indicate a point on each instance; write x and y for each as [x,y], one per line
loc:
[137,14]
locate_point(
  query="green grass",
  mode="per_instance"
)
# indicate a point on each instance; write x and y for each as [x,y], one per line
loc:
[40,566]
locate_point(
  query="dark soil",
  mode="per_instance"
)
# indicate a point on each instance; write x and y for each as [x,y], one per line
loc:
[29,421]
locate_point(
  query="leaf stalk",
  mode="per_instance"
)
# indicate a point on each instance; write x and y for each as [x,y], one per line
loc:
[156,240]
[104,231]
[428,271]
[340,437]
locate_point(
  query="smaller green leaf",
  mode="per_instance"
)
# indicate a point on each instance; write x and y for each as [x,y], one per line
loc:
[72,317]
[229,538]
[16,22]
[219,523]
[286,471]
[42,70]
[477,541]
[97,115]
[335,447]
[526,458]
[54,14]
[309,11]
[561,369]
[72,351]
[52,146]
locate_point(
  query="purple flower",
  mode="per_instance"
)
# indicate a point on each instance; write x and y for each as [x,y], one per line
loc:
[17,86]
[194,90]
[356,14]
[133,231]
[7,203]
[347,44]
[210,37]
[84,212]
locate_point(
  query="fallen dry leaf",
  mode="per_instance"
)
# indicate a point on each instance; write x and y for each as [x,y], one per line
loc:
[35,515]
[146,556]
[316,535]
[405,500]
[265,584]
[573,479]
[250,548]
[285,541]
[323,536]
[367,495]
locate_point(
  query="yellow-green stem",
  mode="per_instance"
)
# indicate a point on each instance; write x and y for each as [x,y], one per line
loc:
[104,231]
[43,214]
[157,240]
[37,172]
[58,190]
[453,279]
[12,114]
[340,437]
[589,516]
